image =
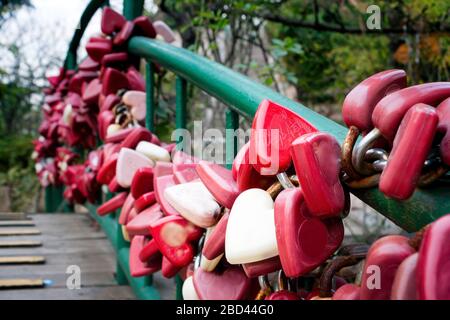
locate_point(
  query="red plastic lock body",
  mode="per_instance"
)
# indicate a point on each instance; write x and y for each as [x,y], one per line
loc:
[112,205]
[98,48]
[160,184]
[246,175]
[348,291]
[389,112]
[219,182]
[113,81]
[433,265]
[137,267]
[116,59]
[137,135]
[112,21]
[215,244]
[184,172]
[274,129]
[283,295]
[124,34]
[168,270]
[230,284]
[316,159]
[92,92]
[108,170]
[404,286]
[443,111]
[126,208]
[145,201]
[144,27]
[409,152]
[88,65]
[382,261]
[359,103]
[142,182]
[173,236]
[260,268]
[304,242]
[140,225]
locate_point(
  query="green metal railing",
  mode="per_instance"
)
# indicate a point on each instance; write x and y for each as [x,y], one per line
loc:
[242,96]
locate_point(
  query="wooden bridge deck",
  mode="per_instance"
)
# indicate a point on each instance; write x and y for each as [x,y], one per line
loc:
[67,239]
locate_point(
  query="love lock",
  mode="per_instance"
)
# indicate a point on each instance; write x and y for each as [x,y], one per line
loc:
[128,162]
[136,82]
[105,118]
[160,184]
[140,225]
[185,172]
[214,245]
[142,182]
[304,242]
[359,103]
[232,281]
[144,27]
[117,60]
[250,234]
[205,263]
[112,21]
[168,270]
[173,236]
[188,290]
[153,152]
[137,267]
[126,208]
[433,262]
[390,110]
[263,267]
[246,175]
[117,135]
[194,202]
[122,37]
[219,182]
[112,205]
[163,30]
[110,101]
[382,261]
[113,81]
[98,47]
[405,162]
[316,159]
[145,201]
[348,291]
[88,65]
[92,91]
[274,129]
[443,111]
[108,170]
[404,286]
[137,101]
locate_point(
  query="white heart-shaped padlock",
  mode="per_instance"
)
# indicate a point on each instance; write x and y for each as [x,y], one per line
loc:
[250,235]
[153,152]
[194,202]
[188,290]
[128,162]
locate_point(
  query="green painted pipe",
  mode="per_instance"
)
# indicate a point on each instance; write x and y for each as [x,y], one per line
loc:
[244,95]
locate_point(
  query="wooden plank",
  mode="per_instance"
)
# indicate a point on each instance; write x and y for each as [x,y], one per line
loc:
[13,216]
[18,232]
[90,293]
[20,244]
[22,260]
[17,223]
[9,284]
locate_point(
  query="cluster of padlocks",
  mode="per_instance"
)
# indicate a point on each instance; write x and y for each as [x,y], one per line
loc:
[272,226]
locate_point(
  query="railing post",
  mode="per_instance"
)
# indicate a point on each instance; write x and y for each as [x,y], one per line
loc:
[121,277]
[231,141]
[150,102]
[133,8]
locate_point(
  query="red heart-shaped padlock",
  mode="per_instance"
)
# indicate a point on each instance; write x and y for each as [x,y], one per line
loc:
[98,47]
[168,270]
[137,267]
[304,242]
[92,91]
[348,291]
[108,170]
[160,184]
[219,182]
[118,136]
[215,244]
[274,129]
[433,265]
[145,201]
[126,208]
[88,65]
[137,135]
[316,159]
[404,165]
[115,60]
[135,79]
[443,111]
[113,81]
[140,225]
[404,286]
[144,27]
[359,103]
[229,284]
[260,268]
[382,261]
[111,100]
[114,186]
[112,204]
[389,112]
[173,236]
[112,21]
[125,34]
[142,182]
